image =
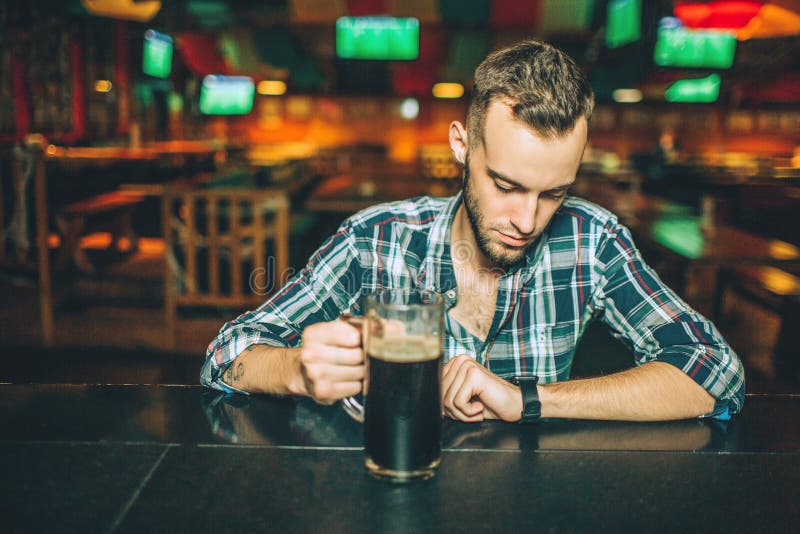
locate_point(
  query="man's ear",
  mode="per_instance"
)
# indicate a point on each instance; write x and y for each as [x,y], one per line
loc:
[458,142]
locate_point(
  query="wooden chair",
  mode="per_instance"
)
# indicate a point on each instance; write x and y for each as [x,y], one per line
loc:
[16,251]
[225,247]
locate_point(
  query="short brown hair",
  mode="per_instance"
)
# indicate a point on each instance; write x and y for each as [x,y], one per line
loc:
[545,88]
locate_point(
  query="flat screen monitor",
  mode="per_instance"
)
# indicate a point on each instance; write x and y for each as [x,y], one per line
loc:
[227,95]
[623,22]
[699,90]
[157,54]
[677,46]
[387,38]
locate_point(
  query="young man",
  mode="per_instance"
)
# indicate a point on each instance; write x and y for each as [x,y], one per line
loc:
[523,268]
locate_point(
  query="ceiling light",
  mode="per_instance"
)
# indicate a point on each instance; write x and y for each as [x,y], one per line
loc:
[627,96]
[448,90]
[409,108]
[102,86]
[271,87]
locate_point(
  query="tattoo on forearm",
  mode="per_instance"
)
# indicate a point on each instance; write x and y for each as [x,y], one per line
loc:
[234,373]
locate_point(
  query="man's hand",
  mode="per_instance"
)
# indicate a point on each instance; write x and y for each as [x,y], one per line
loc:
[472,393]
[332,361]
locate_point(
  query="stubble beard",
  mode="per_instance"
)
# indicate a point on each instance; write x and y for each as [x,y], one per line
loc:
[499,256]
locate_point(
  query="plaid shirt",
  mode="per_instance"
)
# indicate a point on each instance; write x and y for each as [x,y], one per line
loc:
[583,267]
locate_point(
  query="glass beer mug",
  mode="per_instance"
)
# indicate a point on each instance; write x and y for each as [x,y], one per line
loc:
[402,414]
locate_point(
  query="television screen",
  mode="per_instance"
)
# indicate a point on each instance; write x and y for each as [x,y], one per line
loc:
[678,47]
[623,22]
[226,95]
[388,38]
[157,54]
[700,90]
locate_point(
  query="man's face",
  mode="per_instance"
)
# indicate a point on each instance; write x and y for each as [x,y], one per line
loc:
[514,181]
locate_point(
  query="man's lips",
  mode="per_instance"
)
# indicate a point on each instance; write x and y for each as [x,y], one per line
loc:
[513,241]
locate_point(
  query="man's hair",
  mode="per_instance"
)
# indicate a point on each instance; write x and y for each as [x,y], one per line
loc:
[544,87]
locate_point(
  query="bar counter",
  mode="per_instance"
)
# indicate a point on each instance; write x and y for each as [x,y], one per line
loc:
[78,458]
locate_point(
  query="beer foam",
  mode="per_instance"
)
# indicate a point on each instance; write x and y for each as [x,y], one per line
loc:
[405,349]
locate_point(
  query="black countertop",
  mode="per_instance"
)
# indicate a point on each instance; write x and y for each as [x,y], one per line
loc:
[169,458]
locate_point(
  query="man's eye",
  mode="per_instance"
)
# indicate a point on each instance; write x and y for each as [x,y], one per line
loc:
[556,196]
[503,188]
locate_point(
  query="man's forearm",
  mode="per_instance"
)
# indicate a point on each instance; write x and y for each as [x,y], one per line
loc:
[266,369]
[651,392]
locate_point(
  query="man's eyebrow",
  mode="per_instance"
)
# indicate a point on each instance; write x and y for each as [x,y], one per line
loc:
[498,176]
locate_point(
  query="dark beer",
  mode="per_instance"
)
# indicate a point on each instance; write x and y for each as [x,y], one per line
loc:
[403,417]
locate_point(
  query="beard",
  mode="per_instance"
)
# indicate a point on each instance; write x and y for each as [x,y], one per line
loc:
[499,254]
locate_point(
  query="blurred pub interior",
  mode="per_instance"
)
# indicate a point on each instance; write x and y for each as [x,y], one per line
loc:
[165,163]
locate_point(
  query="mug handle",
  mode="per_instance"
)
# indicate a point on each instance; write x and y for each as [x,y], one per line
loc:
[353,408]
[351,405]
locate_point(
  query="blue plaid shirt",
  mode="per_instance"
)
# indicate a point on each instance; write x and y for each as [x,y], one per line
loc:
[584,267]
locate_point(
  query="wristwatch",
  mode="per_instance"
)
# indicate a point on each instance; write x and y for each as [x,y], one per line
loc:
[531,407]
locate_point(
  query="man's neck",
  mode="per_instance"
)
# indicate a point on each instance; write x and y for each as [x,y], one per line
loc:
[464,247]
[477,282]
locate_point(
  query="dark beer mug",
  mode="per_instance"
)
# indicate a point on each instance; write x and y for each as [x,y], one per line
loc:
[402,413]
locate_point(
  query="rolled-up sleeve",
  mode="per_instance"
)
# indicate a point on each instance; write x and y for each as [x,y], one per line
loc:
[640,309]
[325,287]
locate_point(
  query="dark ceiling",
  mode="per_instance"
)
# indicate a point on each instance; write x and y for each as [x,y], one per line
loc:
[758,62]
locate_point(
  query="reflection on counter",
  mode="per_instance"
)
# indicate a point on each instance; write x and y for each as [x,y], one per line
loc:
[259,420]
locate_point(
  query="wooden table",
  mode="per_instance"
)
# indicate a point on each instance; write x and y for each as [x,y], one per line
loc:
[80,458]
[720,244]
[678,233]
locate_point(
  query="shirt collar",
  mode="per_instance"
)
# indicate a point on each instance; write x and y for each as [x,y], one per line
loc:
[437,271]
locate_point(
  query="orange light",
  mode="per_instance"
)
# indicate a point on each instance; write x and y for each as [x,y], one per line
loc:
[138,10]
[779,282]
[448,90]
[271,87]
[783,251]
[102,86]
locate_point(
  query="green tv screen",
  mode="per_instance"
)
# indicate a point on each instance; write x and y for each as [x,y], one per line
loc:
[388,38]
[157,54]
[227,95]
[623,23]
[700,90]
[678,47]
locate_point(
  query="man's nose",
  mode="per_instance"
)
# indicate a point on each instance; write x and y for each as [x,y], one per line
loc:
[524,217]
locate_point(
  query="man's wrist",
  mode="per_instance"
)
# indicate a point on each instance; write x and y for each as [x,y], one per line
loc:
[295,382]
[531,405]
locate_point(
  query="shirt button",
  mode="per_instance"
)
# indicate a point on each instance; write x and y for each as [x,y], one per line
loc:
[451,294]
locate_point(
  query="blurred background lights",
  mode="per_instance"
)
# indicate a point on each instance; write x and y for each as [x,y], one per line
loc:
[102,86]
[627,96]
[271,87]
[448,90]
[409,108]
[694,90]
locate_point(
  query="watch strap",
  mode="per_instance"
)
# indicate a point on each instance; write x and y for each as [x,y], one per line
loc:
[531,406]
